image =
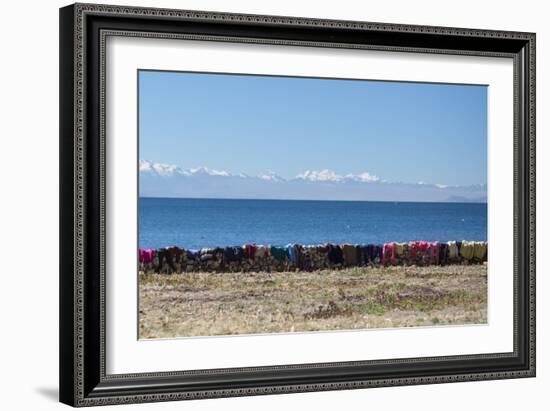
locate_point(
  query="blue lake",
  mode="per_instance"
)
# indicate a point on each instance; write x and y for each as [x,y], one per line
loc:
[196,223]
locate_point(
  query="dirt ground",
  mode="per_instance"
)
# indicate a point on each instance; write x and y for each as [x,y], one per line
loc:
[205,304]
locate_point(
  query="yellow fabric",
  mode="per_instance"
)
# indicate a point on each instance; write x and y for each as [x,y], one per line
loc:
[467,250]
[480,248]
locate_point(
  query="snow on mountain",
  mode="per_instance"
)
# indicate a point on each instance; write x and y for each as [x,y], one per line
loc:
[207,171]
[322,175]
[329,175]
[270,176]
[146,166]
[157,168]
[165,180]
[364,177]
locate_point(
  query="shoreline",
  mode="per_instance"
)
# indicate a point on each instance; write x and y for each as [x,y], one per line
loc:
[312,200]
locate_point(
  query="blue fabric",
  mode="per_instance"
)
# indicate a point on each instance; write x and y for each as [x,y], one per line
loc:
[192,254]
[292,253]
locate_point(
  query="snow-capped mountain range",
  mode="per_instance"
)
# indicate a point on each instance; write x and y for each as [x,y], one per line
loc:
[167,180]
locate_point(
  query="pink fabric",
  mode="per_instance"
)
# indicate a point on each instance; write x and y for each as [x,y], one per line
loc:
[146,255]
[423,246]
[418,247]
[388,247]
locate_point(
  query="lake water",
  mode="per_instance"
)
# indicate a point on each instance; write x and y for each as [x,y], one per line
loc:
[196,223]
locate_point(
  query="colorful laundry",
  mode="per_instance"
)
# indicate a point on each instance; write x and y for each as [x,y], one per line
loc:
[388,253]
[269,258]
[452,247]
[146,256]
[249,251]
[335,254]
[480,250]
[279,253]
[262,251]
[467,250]
[233,254]
[350,255]
[434,252]
[292,253]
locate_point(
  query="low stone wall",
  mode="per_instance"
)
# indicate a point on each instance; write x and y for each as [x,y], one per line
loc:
[251,257]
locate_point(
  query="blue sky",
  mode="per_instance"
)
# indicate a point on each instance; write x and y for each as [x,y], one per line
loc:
[400,132]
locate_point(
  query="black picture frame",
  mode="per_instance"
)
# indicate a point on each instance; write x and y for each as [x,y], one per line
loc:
[83,381]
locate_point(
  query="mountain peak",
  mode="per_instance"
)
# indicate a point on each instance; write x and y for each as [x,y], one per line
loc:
[322,175]
[329,175]
[364,177]
[208,171]
[270,176]
[146,166]
[171,180]
[161,169]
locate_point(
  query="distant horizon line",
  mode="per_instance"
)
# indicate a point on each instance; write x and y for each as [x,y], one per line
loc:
[312,200]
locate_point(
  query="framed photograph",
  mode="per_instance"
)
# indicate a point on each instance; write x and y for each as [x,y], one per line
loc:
[262,204]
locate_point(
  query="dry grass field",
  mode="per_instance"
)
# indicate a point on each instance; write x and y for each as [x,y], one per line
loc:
[200,304]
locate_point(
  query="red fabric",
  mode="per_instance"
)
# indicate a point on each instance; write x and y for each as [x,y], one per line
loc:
[434,252]
[250,251]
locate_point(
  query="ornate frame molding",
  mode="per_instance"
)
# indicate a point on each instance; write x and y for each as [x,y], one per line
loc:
[82,274]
